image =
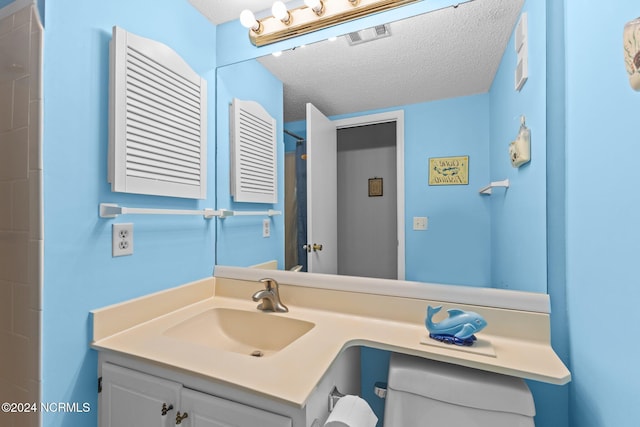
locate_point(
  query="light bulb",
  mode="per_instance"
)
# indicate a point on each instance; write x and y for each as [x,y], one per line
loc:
[280,11]
[315,5]
[248,20]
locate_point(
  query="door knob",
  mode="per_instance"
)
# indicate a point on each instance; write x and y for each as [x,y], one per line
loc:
[317,247]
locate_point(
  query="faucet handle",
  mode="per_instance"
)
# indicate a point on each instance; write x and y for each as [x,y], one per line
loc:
[270,296]
[269,283]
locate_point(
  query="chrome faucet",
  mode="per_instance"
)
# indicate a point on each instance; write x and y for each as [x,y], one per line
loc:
[270,297]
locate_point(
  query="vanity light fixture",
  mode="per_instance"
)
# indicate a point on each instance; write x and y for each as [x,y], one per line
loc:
[312,16]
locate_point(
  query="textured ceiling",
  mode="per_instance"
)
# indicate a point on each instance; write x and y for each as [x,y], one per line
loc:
[442,54]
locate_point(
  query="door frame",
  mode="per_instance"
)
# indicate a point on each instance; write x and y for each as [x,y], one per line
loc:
[396,116]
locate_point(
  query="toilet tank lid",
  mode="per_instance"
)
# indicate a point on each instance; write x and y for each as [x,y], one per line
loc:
[460,385]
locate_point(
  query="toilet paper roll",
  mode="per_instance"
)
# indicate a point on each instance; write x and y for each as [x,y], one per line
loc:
[351,411]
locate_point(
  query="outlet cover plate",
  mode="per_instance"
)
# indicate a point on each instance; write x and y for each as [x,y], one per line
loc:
[122,239]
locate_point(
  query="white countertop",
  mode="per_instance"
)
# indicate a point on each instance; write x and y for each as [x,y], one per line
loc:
[518,341]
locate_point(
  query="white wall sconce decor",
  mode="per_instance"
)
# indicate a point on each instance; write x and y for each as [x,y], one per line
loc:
[520,149]
[312,16]
[632,52]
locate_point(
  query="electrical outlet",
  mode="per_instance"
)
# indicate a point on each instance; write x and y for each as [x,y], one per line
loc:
[122,239]
[266,227]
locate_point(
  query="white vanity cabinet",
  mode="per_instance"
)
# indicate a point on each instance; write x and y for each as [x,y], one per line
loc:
[209,411]
[131,398]
[134,393]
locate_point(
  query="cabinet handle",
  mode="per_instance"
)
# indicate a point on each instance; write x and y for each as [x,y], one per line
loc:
[179,417]
[166,408]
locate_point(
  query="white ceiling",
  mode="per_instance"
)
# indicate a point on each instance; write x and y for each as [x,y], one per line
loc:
[442,54]
[220,11]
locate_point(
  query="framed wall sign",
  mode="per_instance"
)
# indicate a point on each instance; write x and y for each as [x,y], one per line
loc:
[375,187]
[449,170]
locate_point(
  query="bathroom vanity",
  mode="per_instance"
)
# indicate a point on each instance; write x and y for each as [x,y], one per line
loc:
[205,350]
[148,394]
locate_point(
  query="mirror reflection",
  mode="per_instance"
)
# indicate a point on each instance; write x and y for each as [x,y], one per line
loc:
[438,85]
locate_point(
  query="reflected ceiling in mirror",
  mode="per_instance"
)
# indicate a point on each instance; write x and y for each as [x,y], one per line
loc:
[447,53]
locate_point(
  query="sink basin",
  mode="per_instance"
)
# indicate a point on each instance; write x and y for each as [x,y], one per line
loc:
[252,333]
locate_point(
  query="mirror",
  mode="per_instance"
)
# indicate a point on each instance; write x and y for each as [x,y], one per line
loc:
[451,72]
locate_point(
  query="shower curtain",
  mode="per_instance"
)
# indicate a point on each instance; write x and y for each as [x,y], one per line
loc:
[301,201]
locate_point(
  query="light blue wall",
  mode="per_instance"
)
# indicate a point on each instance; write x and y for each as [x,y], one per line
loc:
[79,272]
[455,248]
[602,204]
[555,399]
[240,240]
[518,215]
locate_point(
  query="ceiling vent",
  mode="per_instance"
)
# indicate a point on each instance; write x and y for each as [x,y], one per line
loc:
[368,34]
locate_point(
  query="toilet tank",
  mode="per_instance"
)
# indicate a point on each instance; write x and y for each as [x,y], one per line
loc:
[424,393]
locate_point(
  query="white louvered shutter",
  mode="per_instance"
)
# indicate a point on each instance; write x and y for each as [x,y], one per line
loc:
[157,129]
[253,153]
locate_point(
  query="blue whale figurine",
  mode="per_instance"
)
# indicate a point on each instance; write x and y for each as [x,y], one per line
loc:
[460,324]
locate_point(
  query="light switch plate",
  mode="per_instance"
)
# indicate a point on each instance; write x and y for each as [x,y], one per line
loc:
[420,223]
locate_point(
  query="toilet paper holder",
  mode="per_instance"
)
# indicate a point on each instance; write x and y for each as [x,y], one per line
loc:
[334,396]
[380,390]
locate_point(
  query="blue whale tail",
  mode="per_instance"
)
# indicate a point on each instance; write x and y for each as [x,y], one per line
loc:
[431,311]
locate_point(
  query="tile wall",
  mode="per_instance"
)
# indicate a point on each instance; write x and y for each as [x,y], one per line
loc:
[21,229]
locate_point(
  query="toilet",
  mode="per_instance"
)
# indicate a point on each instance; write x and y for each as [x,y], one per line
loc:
[424,393]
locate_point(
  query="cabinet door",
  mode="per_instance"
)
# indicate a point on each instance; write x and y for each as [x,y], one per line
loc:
[133,399]
[204,410]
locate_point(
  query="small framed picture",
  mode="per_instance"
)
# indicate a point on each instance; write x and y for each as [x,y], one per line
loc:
[375,187]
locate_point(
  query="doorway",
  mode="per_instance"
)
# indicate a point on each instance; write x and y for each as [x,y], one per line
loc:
[390,184]
[367,200]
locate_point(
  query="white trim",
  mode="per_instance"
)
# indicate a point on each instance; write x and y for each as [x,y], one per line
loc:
[398,117]
[15,7]
[485,297]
